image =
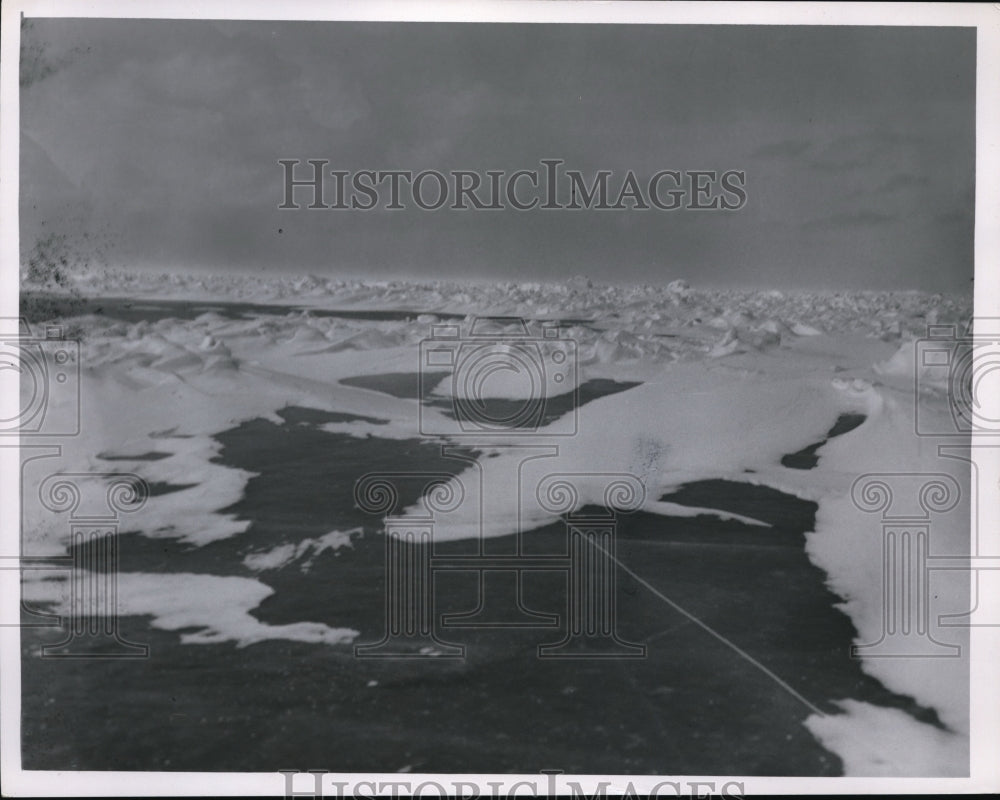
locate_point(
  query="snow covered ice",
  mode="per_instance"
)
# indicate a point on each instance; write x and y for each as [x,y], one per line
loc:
[726,383]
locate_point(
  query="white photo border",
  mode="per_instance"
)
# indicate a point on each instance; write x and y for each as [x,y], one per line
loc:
[985,641]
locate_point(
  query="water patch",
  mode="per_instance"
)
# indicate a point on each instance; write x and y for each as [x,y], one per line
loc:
[401,385]
[769,568]
[314,417]
[160,488]
[150,455]
[531,413]
[130,310]
[807,458]
[408,386]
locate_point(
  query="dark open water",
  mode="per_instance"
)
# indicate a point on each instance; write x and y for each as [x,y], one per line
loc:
[692,706]
[132,310]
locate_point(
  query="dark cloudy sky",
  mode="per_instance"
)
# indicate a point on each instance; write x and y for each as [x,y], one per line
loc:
[163,137]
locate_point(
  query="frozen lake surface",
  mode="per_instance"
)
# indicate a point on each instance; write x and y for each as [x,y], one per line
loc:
[746,572]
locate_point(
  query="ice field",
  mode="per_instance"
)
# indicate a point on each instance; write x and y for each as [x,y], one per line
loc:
[678,386]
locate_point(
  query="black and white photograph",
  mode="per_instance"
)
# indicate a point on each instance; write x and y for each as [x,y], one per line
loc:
[499,399]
